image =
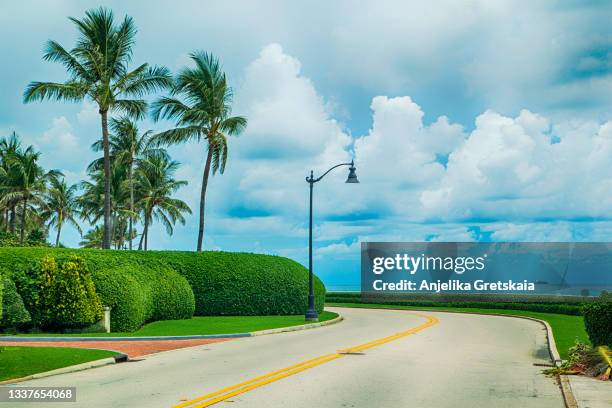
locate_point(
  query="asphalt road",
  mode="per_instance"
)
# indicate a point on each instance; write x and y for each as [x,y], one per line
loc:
[388,359]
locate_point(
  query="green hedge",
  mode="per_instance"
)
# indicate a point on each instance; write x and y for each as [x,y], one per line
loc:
[223,283]
[137,294]
[574,309]
[227,283]
[14,312]
[598,321]
[66,296]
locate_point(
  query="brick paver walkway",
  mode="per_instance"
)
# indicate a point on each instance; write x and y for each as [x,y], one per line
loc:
[131,348]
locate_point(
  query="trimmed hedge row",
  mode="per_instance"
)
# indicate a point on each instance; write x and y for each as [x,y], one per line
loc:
[574,309]
[137,294]
[227,283]
[222,283]
[598,321]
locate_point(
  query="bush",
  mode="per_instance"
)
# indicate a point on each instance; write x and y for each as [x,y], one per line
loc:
[223,283]
[226,283]
[66,296]
[137,294]
[13,312]
[598,321]
[574,309]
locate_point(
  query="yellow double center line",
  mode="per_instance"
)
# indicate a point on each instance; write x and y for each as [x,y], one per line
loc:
[245,386]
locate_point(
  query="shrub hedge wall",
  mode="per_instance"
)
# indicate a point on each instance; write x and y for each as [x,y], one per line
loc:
[137,294]
[598,321]
[571,308]
[222,283]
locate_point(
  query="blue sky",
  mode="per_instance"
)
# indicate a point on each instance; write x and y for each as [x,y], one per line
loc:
[470,120]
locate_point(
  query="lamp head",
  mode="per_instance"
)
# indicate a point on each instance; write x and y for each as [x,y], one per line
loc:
[352,177]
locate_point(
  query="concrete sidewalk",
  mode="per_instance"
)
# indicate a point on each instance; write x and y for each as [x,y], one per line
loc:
[591,392]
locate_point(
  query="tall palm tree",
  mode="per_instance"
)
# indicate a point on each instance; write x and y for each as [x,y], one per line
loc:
[62,206]
[92,198]
[200,103]
[128,147]
[98,70]
[25,181]
[156,184]
[9,146]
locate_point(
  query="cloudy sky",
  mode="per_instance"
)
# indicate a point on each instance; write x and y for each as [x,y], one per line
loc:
[471,120]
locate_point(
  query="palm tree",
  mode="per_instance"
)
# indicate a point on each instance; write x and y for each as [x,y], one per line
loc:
[156,184]
[25,181]
[92,198]
[98,70]
[62,206]
[9,146]
[128,147]
[200,103]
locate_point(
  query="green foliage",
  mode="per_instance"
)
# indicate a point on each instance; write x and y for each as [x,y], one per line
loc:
[12,309]
[67,296]
[598,320]
[138,294]
[574,309]
[226,283]
[36,238]
[223,283]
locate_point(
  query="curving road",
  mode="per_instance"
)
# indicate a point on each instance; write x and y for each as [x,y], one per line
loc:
[374,358]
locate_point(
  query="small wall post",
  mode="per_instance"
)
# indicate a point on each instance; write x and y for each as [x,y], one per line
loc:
[106,319]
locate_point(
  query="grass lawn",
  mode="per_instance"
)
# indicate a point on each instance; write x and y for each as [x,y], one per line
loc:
[566,329]
[16,362]
[204,325]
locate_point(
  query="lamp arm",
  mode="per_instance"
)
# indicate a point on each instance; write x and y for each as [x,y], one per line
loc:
[310,180]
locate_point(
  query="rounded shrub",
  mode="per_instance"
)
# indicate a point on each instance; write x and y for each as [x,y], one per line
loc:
[124,295]
[227,283]
[598,320]
[13,312]
[140,294]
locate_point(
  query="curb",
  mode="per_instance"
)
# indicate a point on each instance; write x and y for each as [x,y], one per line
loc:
[19,339]
[121,357]
[70,369]
[564,383]
[335,320]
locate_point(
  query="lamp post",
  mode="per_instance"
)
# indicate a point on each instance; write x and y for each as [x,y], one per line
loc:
[311,313]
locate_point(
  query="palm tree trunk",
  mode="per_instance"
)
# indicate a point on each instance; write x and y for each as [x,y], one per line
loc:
[106,240]
[141,240]
[23,220]
[13,218]
[130,175]
[203,198]
[145,232]
[59,230]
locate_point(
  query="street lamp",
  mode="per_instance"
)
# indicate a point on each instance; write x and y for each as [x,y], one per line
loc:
[311,313]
